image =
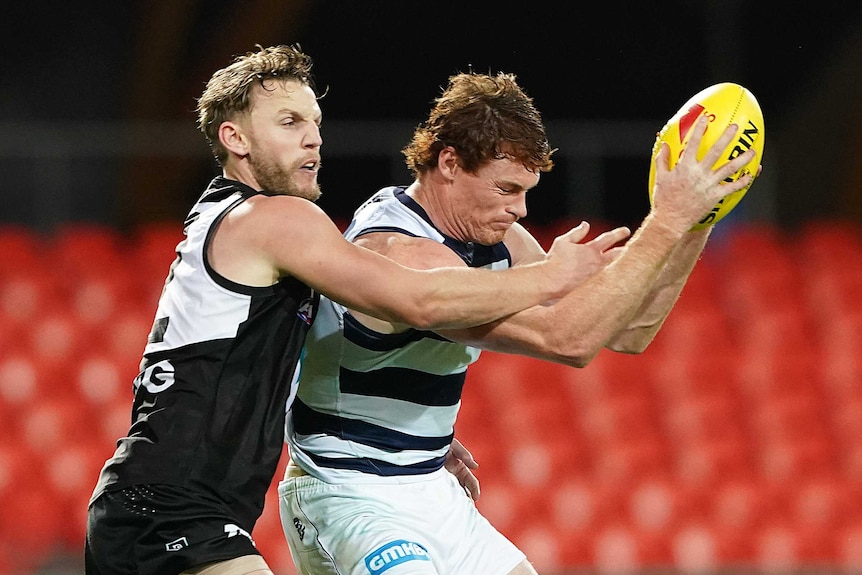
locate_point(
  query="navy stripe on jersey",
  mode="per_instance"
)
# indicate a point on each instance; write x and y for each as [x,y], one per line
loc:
[385,229]
[477,255]
[307,421]
[378,467]
[361,335]
[405,384]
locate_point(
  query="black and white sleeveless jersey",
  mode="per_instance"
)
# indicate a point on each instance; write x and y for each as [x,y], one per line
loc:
[375,407]
[217,373]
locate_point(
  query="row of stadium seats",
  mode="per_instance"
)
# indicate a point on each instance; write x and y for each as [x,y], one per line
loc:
[734,440]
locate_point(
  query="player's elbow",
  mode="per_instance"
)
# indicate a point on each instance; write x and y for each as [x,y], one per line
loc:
[631,342]
[629,348]
[577,353]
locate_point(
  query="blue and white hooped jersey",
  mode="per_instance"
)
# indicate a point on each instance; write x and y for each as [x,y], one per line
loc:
[373,406]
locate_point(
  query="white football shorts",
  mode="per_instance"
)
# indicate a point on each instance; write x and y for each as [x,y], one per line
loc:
[420,528]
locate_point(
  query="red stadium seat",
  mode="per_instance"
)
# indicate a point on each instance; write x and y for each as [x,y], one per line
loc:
[20,381]
[618,549]
[21,249]
[70,475]
[695,549]
[704,416]
[625,461]
[126,336]
[693,331]
[19,467]
[620,419]
[488,446]
[507,506]
[708,461]
[99,380]
[55,422]
[97,299]
[542,463]
[579,505]
[54,336]
[541,416]
[824,504]
[82,249]
[657,506]
[778,548]
[543,546]
[825,244]
[153,249]
[114,420]
[848,547]
[31,526]
[26,295]
[740,504]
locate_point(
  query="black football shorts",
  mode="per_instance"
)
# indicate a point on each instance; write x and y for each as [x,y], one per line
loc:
[159,530]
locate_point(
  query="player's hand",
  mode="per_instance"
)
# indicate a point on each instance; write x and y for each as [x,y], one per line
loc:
[582,260]
[460,463]
[682,195]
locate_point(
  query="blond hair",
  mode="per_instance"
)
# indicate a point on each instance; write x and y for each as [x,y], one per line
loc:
[228,91]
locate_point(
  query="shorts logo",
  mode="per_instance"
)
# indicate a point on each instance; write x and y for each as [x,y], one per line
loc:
[234,530]
[300,528]
[177,544]
[394,553]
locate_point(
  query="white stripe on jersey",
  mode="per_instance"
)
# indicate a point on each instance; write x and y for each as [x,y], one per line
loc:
[396,414]
[198,308]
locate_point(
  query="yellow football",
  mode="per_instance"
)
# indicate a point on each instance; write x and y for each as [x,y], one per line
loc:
[724,104]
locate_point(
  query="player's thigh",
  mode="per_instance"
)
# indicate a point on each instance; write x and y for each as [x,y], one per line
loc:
[247,565]
[523,568]
[339,529]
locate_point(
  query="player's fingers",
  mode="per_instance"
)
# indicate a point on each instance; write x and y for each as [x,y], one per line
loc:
[697,132]
[736,164]
[661,158]
[717,149]
[462,454]
[610,238]
[470,484]
[577,233]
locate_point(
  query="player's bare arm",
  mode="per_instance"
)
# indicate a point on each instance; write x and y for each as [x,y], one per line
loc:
[642,329]
[573,330]
[273,236]
[426,254]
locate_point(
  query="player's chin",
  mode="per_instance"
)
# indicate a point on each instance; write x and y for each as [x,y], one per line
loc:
[309,192]
[493,235]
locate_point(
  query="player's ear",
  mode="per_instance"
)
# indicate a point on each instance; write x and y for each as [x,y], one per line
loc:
[233,139]
[447,162]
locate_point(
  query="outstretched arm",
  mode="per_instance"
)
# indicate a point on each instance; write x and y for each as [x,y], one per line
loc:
[624,305]
[655,262]
[269,237]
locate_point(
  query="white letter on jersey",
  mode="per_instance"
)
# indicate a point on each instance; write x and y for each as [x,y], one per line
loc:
[157,377]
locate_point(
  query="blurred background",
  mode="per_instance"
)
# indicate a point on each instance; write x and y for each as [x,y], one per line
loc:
[733,444]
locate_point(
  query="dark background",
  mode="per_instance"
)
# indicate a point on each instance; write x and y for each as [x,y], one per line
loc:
[95,75]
